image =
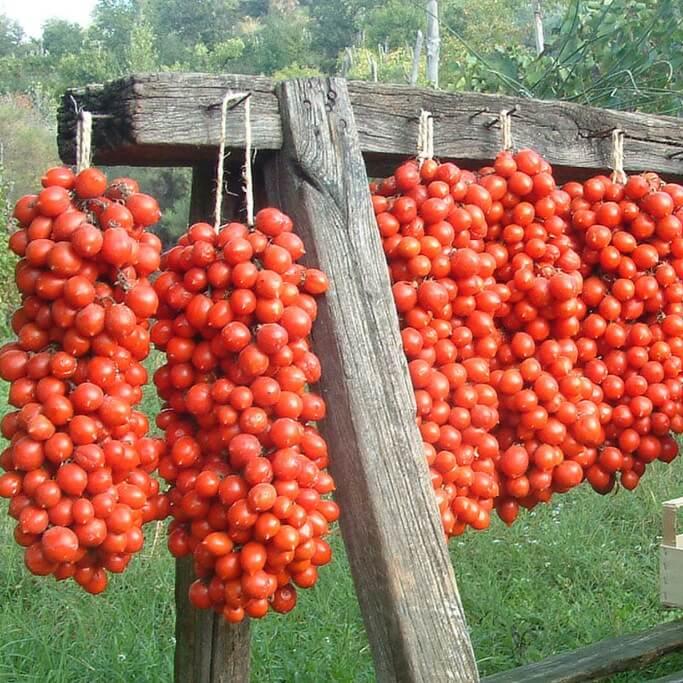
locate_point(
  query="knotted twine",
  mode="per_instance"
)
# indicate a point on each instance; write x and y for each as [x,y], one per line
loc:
[506,128]
[83,140]
[618,173]
[247,172]
[425,137]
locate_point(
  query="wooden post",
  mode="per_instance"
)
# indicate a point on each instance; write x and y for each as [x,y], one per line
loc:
[433,43]
[538,27]
[208,649]
[390,522]
[417,52]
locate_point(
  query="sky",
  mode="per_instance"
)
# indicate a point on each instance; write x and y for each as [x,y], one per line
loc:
[32,13]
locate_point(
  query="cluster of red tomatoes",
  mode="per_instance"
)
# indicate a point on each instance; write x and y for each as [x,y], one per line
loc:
[77,469]
[543,327]
[244,460]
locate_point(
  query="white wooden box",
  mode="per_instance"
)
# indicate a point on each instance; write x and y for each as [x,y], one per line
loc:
[671,557]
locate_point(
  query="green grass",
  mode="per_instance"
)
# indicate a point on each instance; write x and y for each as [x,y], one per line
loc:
[565,575]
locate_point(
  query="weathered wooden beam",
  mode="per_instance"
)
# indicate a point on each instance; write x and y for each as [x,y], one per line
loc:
[208,649]
[600,659]
[173,119]
[390,522]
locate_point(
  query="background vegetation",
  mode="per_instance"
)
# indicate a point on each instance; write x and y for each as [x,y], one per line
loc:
[578,570]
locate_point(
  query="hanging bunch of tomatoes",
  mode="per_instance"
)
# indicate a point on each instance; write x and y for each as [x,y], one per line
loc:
[78,465]
[244,459]
[543,327]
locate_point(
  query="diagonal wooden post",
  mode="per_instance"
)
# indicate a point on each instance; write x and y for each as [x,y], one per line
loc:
[208,649]
[390,522]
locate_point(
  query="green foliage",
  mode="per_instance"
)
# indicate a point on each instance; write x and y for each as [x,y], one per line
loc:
[113,22]
[11,35]
[392,66]
[142,54]
[338,25]
[181,27]
[621,54]
[394,23]
[280,40]
[9,296]
[28,146]
[296,71]
[93,64]
[221,57]
[62,37]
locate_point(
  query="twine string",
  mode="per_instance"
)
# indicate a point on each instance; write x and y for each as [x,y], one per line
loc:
[618,173]
[248,174]
[425,137]
[220,170]
[506,128]
[83,140]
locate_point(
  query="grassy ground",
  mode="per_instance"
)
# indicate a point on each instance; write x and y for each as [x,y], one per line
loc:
[581,569]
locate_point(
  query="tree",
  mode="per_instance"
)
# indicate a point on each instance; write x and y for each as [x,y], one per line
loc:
[11,35]
[142,54]
[62,37]
[191,23]
[113,22]
[335,25]
[278,41]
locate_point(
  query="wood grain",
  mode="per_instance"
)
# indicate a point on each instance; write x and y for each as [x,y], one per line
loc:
[172,119]
[390,523]
[601,659]
[208,649]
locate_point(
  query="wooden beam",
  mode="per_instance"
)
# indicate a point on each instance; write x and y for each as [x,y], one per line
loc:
[208,649]
[172,119]
[600,659]
[390,522]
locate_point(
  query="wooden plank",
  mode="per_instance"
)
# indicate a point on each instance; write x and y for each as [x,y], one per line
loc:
[671,556]
[168,119]
[173,119]
[208,649]
[669,520]
[600,659]
[671,575]
[390,523]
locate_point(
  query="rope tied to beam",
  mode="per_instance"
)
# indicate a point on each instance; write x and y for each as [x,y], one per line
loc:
[505,119]
[237,98]
[247,173]
[83,140]
[618,173]
[425,137]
